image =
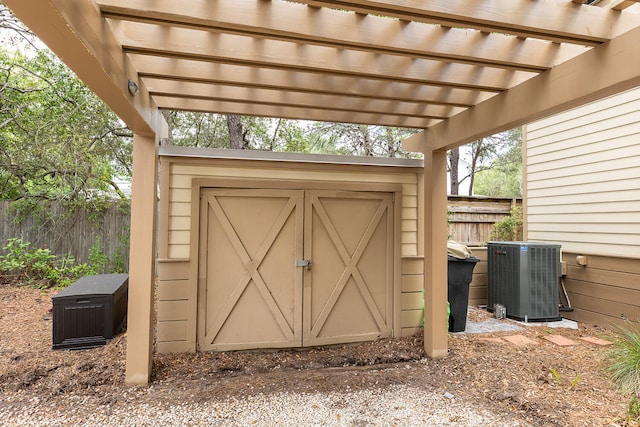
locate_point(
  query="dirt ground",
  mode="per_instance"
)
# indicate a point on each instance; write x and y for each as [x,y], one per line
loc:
[502,377]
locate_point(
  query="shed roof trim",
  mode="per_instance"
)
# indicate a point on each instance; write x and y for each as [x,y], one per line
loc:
[218,153]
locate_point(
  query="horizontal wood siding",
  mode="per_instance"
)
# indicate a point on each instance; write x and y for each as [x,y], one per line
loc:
[479,280]
[412,300]
[583,177]
[176,317]
[183,171]
[605,290]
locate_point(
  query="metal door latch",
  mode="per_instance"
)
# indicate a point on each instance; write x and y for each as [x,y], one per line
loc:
[306,263]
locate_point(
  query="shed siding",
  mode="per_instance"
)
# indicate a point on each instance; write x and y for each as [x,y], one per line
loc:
[583,178]
[177,305]
[180,196]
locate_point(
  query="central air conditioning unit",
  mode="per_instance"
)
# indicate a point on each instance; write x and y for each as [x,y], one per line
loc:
[524,278]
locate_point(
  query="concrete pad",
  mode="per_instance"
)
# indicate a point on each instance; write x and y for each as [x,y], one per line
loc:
[559,340]
[519,340]
[564,323]
[490,325]
[596,341]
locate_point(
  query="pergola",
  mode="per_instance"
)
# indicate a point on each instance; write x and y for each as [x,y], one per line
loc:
[457,69]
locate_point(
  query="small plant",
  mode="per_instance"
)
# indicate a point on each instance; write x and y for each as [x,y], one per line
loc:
[624,368]
[510,227]
[575,382]
[633,410]
[558,378]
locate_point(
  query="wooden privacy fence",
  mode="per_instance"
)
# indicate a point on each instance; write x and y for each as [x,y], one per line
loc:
[471,218]
[71,233]
[471,222]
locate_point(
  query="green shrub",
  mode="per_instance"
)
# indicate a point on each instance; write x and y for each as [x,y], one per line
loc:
[98,260]
[510,227]
[39,267]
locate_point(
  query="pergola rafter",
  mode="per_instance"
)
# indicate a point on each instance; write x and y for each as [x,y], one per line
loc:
[341,30]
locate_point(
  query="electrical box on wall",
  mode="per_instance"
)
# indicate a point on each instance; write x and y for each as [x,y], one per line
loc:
[524,278]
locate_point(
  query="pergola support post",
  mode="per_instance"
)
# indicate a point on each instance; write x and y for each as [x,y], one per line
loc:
[435,254]
[142,259]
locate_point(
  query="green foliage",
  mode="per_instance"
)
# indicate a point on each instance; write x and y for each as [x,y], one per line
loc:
[558,378]
[499,182]
[98,260]
[58,141]
[509,228]
[624,365]
[40,268]
[497,163]
[624,358]
[556,375]
[633,409]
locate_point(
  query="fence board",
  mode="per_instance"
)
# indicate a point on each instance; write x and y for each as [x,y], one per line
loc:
[471,218]
[71,234]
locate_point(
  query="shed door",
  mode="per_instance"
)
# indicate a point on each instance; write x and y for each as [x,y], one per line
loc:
[348,293]
[249,287]
[252,295]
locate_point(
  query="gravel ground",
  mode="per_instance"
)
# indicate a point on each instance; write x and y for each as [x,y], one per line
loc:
[396,406]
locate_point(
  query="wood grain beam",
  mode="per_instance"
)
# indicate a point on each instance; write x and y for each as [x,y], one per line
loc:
[312,83]
[205,45]
[339,103]
[81,38]
[287,112]
[623,4]
[566,86]
[328,27]
[544,19]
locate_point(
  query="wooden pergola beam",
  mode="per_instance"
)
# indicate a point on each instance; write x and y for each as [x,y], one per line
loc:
[204,45]
[268,78]
[551,20]
[347,31]
[340,103]
[563,87]
[288,112]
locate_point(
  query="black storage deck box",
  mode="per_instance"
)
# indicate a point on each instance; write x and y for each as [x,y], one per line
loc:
[90,312]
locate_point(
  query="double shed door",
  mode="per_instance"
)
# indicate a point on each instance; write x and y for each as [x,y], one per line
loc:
[290,268]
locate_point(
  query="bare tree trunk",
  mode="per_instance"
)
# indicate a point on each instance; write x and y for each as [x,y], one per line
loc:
[472,172]
[454,162]
[168,116]
[236,137]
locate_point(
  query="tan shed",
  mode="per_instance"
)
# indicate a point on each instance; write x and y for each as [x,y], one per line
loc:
[266,250]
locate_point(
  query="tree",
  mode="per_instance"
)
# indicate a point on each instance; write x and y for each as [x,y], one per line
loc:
[454,170]
[504,176]
[364,140]
[495,156]
[236,135]
[58,141]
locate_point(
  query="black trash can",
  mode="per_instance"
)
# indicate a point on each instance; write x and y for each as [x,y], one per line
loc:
[460,272]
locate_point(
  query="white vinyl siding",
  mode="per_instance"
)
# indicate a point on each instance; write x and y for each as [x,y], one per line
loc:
[583,177]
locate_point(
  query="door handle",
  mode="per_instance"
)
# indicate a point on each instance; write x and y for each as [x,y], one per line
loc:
[306,263]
